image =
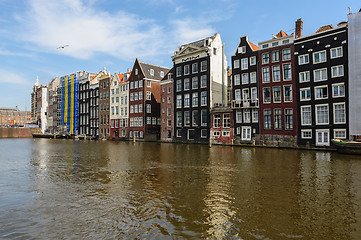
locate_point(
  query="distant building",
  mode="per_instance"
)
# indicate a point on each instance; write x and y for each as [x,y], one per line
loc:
[166,115]
[119,91]
[52,111]
[277,86]
[104,104]
[10,117]
[39,105]
[200,83]
[70,103]
[144,100]
[245,103]
[322,85]
[94,106]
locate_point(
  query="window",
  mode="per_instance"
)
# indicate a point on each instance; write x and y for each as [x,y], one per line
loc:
[194,82]
[254,95]
[135,96]
[131,109]
[187,119]
[244,63]
[245,95]
[163,89]
[226,134]
[287,93]
[303,59]
[338,90]
[203,81]
[237,79]
[265,58]
[140,95]
[320,74]
[179,119]
[239,116]
[169,99]
[321,92]
[265,75]
[140,108]
[287,75]
[140,83]
[186,100]
[131,85]
[215,51]
[186,69]
[255,115]
[253,77]
[226,121]
[135,108]
[195,118]
[169,111]
[274,44]
[266,95]
[319,57]
[216,134]
[336,52]
[117,99]
[169,89]
[286,54]
[136,84]
[149,83]
[238,95]
[236,63]
[154,121]
[267,119]
[245,78]
[242,49]
[305,94]
[149,95]
[136,71]
[131,97]
[276,94]
[217,121]
[247,115]
[304,76]
[179,71]
[252,60]
[339,133]
[278,118]
[149,108]
[116,109]
[179,85]
[204,117]
[203,66]
[161,74]
[275,56]
[179,132]
[194,67]
[321,114]
[306,134]
[306,115]
[339,114]
[195,99]
[186,84]
[265,46]
[337,71]
[288,118]
[276,75]
[203,98]
[179,101]
[112,110]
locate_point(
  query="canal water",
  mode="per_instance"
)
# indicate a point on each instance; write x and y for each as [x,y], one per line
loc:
[66,189]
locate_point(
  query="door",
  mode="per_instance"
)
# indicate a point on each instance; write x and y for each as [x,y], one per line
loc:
[322,138]
[246,133]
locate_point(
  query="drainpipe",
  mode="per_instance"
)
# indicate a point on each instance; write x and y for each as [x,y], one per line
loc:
[223,75]
[259,107]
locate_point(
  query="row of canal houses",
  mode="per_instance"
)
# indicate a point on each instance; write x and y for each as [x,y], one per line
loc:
[289,90]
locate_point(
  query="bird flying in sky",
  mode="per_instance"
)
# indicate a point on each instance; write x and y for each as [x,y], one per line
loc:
[64,46]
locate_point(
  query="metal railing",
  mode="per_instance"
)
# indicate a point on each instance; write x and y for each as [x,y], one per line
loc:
[245,103]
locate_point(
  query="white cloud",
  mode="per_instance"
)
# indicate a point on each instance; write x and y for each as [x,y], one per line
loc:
[88,31]
[10,77]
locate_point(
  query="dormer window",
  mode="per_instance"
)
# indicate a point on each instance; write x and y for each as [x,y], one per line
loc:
[151,71]
[136,71]
[161,73]
[242,49]
[215,51]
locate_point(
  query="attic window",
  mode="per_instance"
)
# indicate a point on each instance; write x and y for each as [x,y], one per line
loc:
[161,74]
[151,71]
[274,44]
[136,71]
[286,41]
[265,46]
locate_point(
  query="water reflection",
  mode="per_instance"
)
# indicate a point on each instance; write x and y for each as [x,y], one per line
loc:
[77,189]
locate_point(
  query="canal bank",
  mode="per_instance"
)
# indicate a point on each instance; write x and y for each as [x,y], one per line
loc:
[18,132]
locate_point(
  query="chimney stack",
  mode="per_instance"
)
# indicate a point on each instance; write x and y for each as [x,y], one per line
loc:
[299,28]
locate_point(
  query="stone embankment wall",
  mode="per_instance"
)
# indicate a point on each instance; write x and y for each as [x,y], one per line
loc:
[18,132]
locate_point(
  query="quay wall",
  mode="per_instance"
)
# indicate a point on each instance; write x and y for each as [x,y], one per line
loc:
[18,132]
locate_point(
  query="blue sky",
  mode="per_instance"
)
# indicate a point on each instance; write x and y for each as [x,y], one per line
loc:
[112,33]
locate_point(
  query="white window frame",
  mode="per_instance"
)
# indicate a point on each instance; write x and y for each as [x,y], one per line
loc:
[306,131]
[337,56]
[237,79]
[319,87]
[283,54]
[306,76]
[290,74]
[302,122]
[252,60]
[273,73]
[334,113]
[303,90]
[263,74]
[338,71]
[244,63]
[284,93]
[339,130]
[273,94]
[303,59]
[328,114]
[321,60]
[320,70]
[253,77]
[338,85]
[264,60]
[236,63]
[245,78]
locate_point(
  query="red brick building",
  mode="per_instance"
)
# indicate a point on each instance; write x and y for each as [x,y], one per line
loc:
[14,117]
[104,105]
[166,115]
[222,125]
[144,101]
[277,81]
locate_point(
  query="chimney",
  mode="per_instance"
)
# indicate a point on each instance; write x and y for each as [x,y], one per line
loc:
[299,28]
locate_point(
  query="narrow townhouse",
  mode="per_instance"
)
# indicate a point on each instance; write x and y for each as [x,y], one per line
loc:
[200,83]
[94,106]
[144,101]
[322,85]
[245,103]
[84,103]
[277,86]
[166,115]
[70,103]
[104,105]
[119,105]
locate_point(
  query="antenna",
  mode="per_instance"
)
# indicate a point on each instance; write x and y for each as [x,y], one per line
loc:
[349,10]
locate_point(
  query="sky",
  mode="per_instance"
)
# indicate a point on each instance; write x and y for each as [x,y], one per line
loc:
[113,33]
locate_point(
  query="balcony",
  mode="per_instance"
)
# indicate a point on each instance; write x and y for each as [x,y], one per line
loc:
[246,103]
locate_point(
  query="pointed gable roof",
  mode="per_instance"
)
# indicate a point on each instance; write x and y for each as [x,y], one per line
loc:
[254,47]
[280,34]
[324,28]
